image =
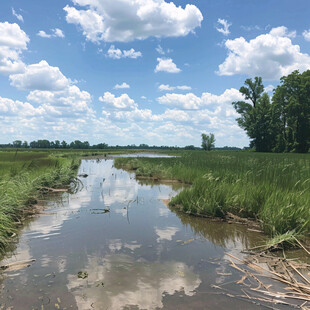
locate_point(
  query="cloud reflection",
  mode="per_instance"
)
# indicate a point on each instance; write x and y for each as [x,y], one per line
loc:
[128,282]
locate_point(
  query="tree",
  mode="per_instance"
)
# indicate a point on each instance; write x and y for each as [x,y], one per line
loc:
[291,102]
[64,144]
[259,118]
[253,89]
[207,141]
[17,143]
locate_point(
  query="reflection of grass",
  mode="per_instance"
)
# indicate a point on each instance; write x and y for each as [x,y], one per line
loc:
[272,188]
[222,234]
[23,177]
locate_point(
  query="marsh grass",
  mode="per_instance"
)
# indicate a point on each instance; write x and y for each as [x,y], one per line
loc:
[23,177]
[273,189]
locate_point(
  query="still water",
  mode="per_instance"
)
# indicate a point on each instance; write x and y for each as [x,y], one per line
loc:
[116,245]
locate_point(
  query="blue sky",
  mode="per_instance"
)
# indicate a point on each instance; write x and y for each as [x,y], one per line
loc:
[141,71]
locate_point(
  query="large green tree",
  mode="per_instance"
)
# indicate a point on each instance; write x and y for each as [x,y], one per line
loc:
[257,117]
[291,102]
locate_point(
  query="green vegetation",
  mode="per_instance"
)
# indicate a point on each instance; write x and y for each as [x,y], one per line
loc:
[271,188]
[24,177]
[282,125]
[207,142]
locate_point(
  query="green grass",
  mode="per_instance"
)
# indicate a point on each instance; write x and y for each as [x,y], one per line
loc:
[23,176]
[271,188]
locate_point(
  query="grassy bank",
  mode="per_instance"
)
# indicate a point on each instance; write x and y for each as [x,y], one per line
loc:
[271,188]
[24,177]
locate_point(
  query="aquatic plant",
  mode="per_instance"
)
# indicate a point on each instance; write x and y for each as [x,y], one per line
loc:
[270,188]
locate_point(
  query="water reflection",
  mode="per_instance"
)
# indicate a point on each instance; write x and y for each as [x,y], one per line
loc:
[127,282]
[137,252]
[229,236]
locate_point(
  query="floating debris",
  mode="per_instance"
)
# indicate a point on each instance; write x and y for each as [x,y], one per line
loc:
[83,175]
[82,275]
[17,265]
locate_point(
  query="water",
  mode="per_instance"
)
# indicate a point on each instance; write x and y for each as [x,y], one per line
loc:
[139,255]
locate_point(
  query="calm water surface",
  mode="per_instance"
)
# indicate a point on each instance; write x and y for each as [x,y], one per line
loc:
[140,255]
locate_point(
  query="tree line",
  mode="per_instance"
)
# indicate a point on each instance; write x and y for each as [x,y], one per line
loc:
[281,124]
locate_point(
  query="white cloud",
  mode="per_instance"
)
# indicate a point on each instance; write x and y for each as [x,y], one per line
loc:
[13,41]
[161,51]
[251,28]
[18,16]
[127,20]
[56,33]
[224,26]
[9,107]
[40,76]
[166,65]
[270,55]
[192,102]
[43,34]
[116,53]
[306,35]
[167,87]
[121,102]
[68,100]
[122,86]
[269,88]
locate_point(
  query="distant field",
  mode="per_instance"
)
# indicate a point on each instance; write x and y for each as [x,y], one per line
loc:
[272,188]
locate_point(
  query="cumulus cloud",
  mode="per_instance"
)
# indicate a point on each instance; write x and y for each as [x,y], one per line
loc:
[40,76]
[56,33]
[13,41]
[191,101]
[223,26]
[9,107]
[270,55]
[116,53]
[121,86]
[166,65]
[121,102]
[127,20]
[306,35]
[167,87]
[18,16]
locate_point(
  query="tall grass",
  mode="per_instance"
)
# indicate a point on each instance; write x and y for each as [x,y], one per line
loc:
[23,178]
[271,188]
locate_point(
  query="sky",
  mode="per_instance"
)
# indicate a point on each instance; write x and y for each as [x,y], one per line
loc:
[141,71]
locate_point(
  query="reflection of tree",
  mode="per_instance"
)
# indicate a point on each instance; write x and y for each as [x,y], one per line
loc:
[220,233]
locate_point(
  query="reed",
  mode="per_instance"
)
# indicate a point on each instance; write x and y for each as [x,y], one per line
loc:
[23,179]
[273,189]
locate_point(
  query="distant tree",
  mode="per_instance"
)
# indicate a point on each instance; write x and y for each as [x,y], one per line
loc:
[17,143]
[207,141]
[64,144]
[101,146]
[57,144]
[143,146]
[189,147]
[25,145]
